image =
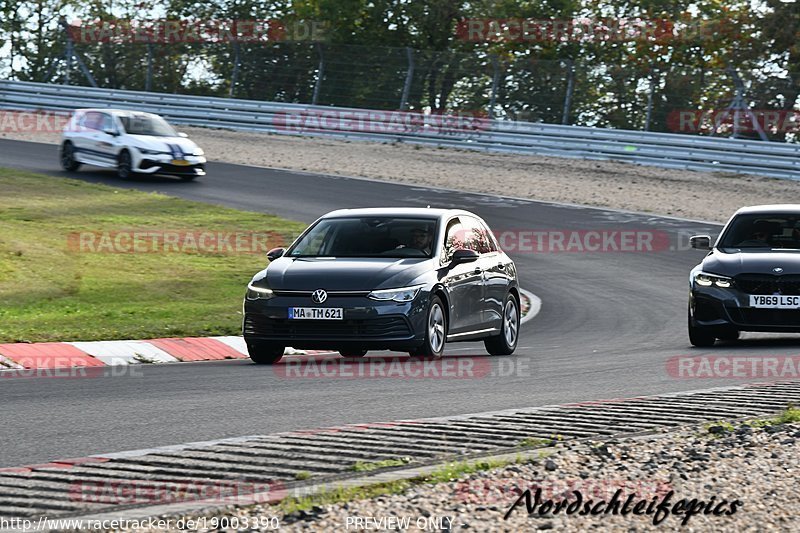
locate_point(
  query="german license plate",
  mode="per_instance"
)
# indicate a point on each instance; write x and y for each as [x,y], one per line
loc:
[315,313]
[774,301]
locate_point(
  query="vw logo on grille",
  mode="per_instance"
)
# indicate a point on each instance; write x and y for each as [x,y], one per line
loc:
[777,270]
[319,296]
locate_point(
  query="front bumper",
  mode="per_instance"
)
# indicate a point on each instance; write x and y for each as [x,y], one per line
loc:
[195,166]
[366,323]
[729,308]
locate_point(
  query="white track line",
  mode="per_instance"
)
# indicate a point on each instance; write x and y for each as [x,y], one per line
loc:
[536,305]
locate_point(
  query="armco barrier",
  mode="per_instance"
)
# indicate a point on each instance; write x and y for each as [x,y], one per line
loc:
[779,160]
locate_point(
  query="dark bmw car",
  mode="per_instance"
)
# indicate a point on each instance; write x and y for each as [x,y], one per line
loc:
[395,278]
[750,280]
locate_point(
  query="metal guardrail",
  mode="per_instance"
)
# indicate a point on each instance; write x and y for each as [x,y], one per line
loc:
[779,160]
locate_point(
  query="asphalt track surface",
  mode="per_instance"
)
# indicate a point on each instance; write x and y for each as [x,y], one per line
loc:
[609,323]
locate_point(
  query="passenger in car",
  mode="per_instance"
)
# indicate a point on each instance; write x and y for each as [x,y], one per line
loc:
[796,234]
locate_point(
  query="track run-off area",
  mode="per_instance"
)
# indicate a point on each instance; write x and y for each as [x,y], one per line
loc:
[611,324]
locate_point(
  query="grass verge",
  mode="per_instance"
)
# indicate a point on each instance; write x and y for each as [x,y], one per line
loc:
[55,289]
[368,466]
[446,473]
[789,416]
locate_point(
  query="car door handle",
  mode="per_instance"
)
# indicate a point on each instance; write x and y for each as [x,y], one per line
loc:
[477,270]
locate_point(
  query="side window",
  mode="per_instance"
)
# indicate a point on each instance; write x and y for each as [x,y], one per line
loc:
[92,120]
[479,238]
[106,123]
[453,240]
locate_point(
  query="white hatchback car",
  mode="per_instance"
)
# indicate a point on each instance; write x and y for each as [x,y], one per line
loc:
[131,142]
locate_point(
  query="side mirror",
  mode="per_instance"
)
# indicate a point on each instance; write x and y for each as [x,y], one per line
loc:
[110,131]
[463,256]
[182,134]
[275,253]
[700,242]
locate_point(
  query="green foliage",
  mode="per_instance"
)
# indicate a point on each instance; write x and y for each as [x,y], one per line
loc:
[368,466]
[53,292]
[364,61]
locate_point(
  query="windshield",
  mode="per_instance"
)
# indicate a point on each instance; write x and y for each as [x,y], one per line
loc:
[368,237]
[763,231]
[147,125]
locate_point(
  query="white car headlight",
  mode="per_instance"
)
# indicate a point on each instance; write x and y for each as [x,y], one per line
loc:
[258,292]
[707,280]
[405,294]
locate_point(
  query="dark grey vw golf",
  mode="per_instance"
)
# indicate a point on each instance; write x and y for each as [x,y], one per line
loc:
[389,278]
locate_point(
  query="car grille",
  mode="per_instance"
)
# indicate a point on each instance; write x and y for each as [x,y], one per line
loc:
[768,284]
[331,294]
[169,168]
[374,328]
[767,317]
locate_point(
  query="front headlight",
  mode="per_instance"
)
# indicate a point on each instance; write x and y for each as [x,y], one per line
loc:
[258,292]
[707,280]
[147,151]
[405,294]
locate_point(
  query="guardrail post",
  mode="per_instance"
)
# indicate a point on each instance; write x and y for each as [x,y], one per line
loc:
[68,57]
[409,77]
[650,94]
[148,81]
[570,90]
[235,74]
[495,84]
[320,74]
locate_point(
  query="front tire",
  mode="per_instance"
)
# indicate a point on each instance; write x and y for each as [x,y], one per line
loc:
[67,157]
[264,353]
[698,336]
[125,165]
[506,342]
[435,331]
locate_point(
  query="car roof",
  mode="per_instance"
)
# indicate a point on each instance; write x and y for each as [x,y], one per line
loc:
[422,212]
[114,111]
[769,209]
